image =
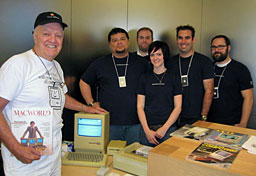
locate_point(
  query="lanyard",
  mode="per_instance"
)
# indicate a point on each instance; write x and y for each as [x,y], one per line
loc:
[61,83]
[126,65]
[221,75]
[190,62]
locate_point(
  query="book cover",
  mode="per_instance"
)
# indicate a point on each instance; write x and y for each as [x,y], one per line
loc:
[226,138]
[192,132]
[215,155]
[33,128]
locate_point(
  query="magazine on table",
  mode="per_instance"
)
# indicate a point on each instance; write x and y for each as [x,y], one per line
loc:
[226,138]
[192,132]
[215,155]
[32,127]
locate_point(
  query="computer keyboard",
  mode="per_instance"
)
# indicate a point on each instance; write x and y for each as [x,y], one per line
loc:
[79,156]
[84,159]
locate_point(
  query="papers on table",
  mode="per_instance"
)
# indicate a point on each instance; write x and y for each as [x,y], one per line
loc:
[250,145]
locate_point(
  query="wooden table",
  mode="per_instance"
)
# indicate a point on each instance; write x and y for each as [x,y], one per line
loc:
[168,158]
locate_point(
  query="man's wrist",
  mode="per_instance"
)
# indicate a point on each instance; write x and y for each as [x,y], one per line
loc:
[82,108]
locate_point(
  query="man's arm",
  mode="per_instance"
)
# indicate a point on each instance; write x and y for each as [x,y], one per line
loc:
[24,154]
[87,94]
[73,104]
[247,107]
[208,94]
[86,91]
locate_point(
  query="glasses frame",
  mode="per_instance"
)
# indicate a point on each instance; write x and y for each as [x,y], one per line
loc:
[219,47]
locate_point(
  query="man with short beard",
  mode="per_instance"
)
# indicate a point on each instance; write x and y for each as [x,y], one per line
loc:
[233,86]
[117,75]
[144,39]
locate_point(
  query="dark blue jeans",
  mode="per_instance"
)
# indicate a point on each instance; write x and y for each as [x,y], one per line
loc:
[129,133]
[144,140]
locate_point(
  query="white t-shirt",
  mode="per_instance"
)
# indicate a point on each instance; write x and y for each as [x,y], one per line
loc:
[27,80]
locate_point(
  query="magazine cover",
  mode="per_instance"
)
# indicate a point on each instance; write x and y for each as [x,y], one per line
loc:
[215,155]
[226,138]
[33,128]
[192,132]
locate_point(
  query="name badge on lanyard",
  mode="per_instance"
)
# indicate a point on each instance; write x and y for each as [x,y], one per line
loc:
[184,80]
[216,93]
[122,81]
[55,97]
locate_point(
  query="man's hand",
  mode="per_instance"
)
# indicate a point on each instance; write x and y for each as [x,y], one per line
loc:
[95,109]
[26,154]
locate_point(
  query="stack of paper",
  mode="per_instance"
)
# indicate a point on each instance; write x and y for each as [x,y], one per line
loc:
[250,145]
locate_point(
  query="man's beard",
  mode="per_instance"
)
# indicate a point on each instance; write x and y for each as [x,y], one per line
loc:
[143,49]
[220,58]
[120,51]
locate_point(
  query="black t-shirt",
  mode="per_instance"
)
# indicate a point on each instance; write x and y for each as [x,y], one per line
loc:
[147,58]
[121,102]
[159,98]
[192,95]
[227,109]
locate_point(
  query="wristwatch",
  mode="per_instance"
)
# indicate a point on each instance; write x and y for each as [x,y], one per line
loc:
[204,117]
[91,104]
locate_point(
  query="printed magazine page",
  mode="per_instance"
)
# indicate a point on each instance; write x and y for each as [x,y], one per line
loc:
[250,145]
[192,132]
[227,138]
[32,127]
[215,155]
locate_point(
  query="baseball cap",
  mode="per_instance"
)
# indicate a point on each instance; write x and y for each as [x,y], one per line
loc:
[49,17]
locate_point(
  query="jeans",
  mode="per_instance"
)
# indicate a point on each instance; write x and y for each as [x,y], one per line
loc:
[144,140]
[128,133]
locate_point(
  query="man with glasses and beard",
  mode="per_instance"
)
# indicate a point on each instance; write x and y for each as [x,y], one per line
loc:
[233,86]
[116,75]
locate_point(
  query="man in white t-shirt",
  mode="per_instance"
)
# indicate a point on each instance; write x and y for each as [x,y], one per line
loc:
[33,79]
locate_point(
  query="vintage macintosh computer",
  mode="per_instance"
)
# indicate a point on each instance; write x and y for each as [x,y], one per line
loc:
[91,137]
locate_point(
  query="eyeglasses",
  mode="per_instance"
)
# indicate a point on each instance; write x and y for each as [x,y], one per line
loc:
[220,47]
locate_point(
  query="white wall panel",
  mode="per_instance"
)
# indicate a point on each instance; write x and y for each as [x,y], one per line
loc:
[163,16]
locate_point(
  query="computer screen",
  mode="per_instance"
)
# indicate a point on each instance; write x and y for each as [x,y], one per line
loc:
[91,132]
[89,127]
